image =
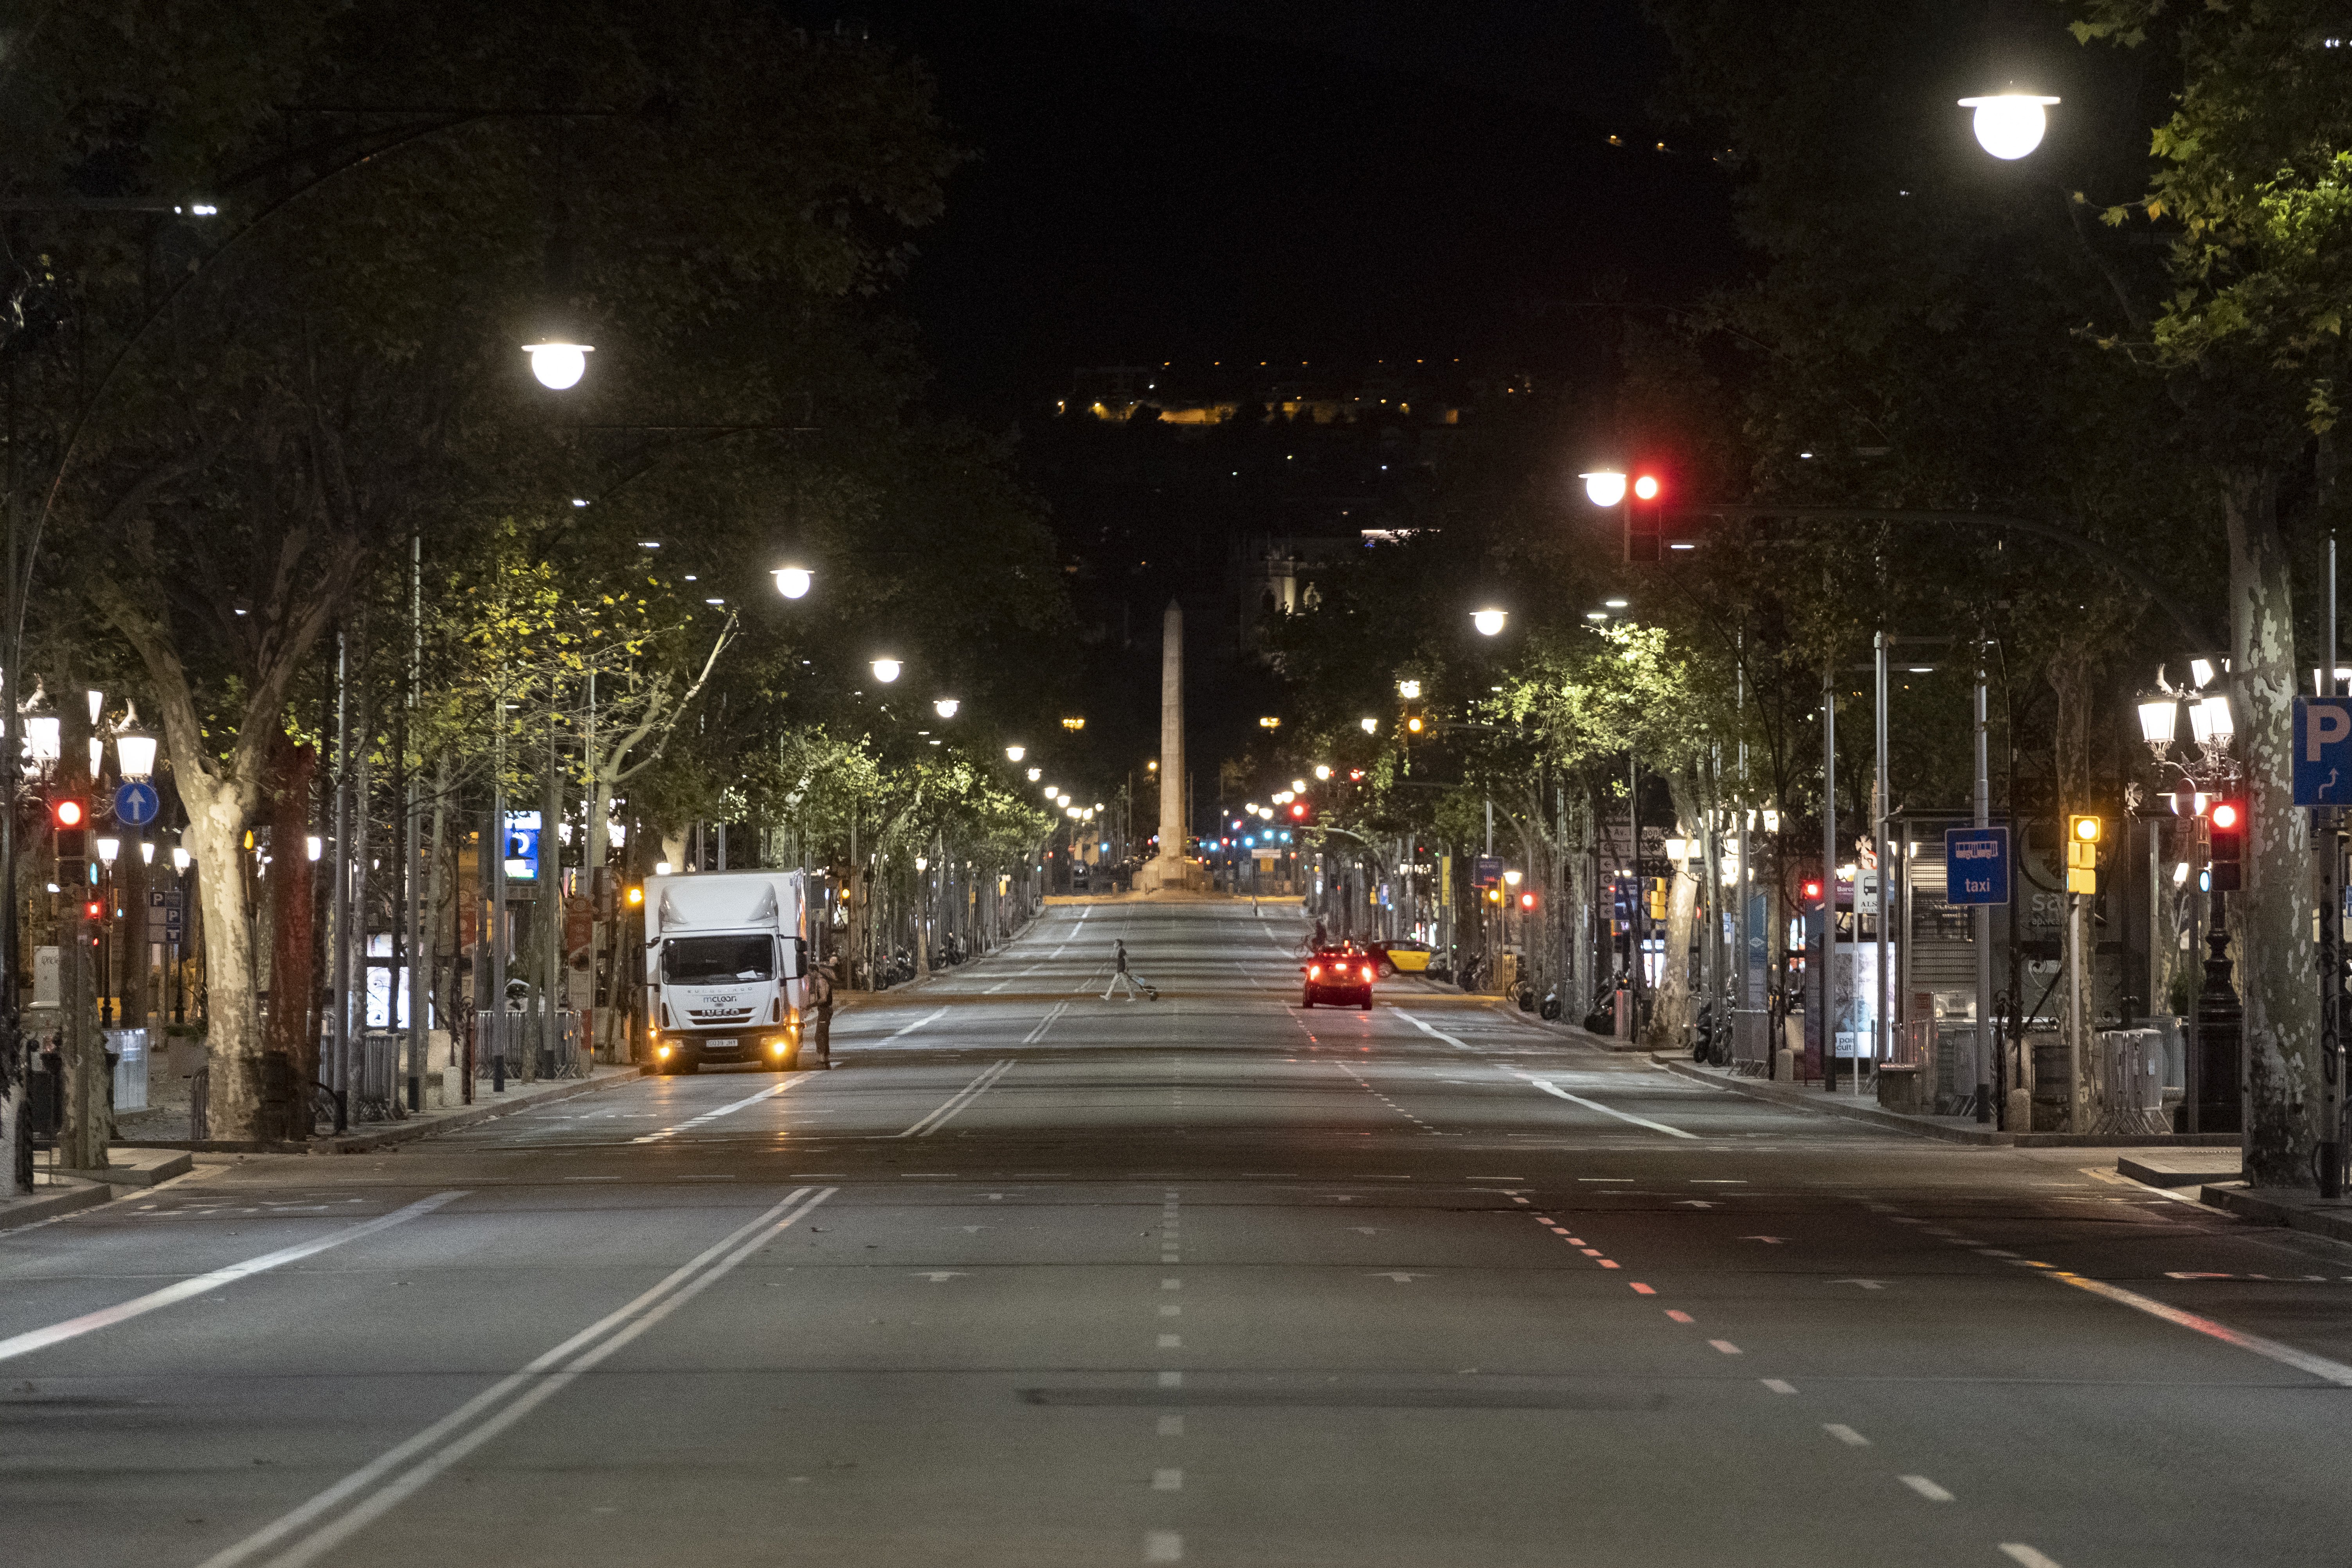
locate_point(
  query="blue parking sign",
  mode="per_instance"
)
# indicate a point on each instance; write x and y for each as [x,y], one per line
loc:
[1976,865]
[2323,751]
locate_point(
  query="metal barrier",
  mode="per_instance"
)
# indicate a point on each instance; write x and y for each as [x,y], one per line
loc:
[1751,1043]
[517,1034]
[375,1084]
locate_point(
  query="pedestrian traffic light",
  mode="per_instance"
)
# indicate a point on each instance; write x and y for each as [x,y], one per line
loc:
[1656,894]
[2227,822]
[1812,890]
[2083,853]
[1527,901]
[94,910]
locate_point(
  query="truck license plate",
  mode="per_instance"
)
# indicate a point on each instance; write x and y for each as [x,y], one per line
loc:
[718,1045]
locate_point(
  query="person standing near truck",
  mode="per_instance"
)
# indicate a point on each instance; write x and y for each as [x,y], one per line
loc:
[821,1003]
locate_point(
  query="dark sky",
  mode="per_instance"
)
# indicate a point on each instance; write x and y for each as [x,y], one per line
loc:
[1191,180]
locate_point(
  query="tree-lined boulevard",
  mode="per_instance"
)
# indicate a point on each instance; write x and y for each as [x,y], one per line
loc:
[1046,783]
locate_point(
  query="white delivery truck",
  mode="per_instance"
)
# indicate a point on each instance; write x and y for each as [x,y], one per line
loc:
[727,961]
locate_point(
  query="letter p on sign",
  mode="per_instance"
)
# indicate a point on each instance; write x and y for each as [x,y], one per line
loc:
[2329,724]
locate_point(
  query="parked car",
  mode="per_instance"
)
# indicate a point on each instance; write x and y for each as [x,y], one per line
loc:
[1340,974]
[1403,954]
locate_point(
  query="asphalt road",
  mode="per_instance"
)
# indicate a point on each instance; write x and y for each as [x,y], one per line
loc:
[1032,1279]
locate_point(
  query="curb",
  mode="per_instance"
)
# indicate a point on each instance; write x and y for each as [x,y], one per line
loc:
[17,1213]
[2334,1224]
[1797,1099]
[404,1132]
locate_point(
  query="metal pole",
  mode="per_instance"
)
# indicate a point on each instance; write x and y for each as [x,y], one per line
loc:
[2331,950]
[414,937]
[338,916]
[1827,990]
[1981,916]
[496,842]
[1743,915]
[1880,1042]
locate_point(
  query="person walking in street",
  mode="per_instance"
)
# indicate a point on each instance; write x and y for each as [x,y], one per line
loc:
[1120,975]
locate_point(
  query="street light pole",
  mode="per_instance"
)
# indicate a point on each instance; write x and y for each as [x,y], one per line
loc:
[1827,990]
[1881,1041]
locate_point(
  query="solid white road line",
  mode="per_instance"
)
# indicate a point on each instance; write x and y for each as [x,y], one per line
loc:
[694,1121]
[926,1018]
[2024,1556]
[539,1381]
[958,1101]
[1045,1023]
[2318,1366]
[139,1306]
[1549,1088]
[1432,1034]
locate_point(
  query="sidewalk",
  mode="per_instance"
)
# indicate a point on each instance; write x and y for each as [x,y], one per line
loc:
[2295,1208]
[487,1107]
[1950,1129]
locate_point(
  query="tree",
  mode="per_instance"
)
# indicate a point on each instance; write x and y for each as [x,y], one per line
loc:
[337,358]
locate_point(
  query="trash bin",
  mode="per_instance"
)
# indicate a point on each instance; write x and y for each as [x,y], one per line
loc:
[128,1049]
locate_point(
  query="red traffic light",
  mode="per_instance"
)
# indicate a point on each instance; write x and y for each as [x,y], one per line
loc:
[69,813]
[2227,814]
[1646,487]
[1527,901]
[1299,811]
[95,910]
[1812,890]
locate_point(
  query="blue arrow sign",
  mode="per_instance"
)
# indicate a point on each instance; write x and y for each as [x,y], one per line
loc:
[2323,751]
[135,803]
[1976,865]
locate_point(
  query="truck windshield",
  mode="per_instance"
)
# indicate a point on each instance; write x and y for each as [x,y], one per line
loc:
[718,959]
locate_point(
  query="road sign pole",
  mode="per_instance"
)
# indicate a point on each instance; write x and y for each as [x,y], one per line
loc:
[1983,913]
[2331,1001]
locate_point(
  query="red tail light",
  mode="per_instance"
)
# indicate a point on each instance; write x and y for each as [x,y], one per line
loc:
[1314,972]
[1368,972]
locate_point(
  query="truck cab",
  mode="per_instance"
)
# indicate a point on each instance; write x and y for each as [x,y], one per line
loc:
[726,969]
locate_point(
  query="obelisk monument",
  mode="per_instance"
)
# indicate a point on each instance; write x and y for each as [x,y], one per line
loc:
[1169,868]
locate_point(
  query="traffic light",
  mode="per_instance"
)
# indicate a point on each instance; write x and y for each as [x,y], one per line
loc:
[69,817]
[1299,811]
[1812,890]
[1527,901]
[95,910]
[1656,895]
[2228,820]
[2083,853]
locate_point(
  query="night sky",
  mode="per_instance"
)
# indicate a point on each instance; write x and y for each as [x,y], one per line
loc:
[1190,180]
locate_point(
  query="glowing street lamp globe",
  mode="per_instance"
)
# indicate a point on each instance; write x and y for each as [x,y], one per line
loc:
[793,581]
[1603,487]
[946,707]
[1489,622]
[559,365]
[2009,125]
[886,670]
[1014,754]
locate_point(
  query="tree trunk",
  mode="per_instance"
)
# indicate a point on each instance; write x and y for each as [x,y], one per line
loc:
[293,974]
[1670,1018]
[81,1140]
[2278,978]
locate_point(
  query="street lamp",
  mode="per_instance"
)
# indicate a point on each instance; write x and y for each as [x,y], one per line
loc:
[1372,726]
[1408,690]
[44,739]
[1037,773]
[1603,487]
[1488,622]
[2009,125]
[135,754]
[2210,721]
[886,670]
[1323,771]
[2159,720]
[559,365]
[1297,788]
[793,581]
[946,707]
[108,848]
[1014,754]
[181,857]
